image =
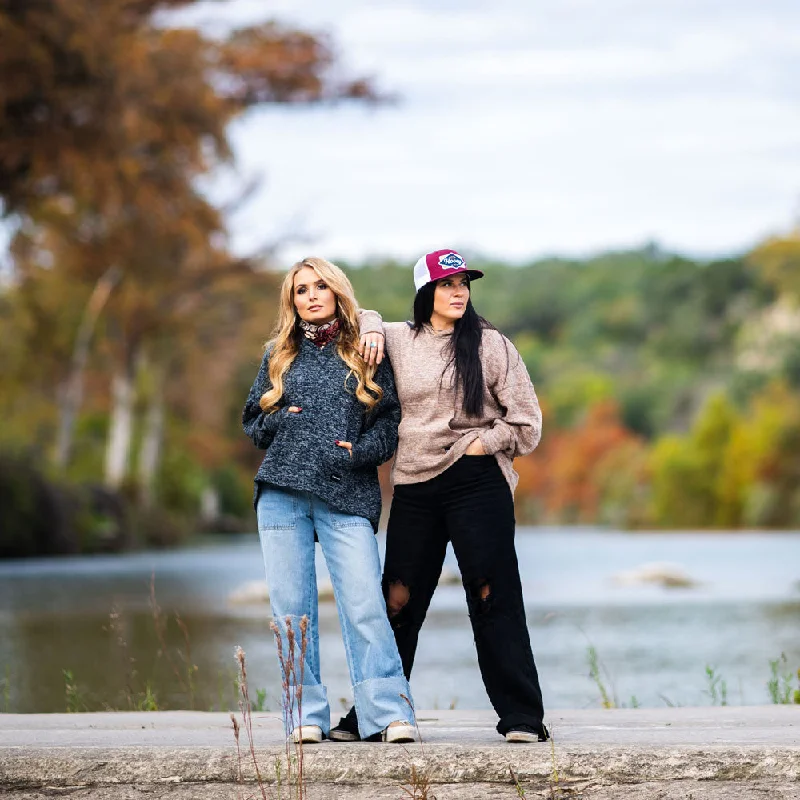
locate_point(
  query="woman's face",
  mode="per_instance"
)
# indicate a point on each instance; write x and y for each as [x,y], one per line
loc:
[313,298]
[449,300]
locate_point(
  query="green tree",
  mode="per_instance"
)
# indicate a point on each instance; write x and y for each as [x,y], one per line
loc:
[777,260]
[686,470]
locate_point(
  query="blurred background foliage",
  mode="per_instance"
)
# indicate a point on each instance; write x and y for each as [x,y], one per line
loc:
[130,332]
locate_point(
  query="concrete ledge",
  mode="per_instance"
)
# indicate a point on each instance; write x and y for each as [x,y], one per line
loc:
[644,753]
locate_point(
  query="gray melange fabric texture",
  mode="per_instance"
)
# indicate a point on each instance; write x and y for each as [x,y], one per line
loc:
[301,453]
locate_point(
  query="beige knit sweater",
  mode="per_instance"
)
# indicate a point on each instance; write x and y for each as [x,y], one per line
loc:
[434,431]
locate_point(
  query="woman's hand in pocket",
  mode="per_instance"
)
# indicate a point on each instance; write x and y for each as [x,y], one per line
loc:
[475,448]
[346,445]
[294,409]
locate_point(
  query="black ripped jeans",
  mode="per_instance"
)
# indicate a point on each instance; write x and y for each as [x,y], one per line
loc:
[471,505]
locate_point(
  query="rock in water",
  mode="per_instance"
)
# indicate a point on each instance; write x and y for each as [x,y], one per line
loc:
[449,577]
[670,576]
[255,593]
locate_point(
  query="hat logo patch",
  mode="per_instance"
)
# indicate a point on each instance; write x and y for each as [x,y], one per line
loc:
[451,261]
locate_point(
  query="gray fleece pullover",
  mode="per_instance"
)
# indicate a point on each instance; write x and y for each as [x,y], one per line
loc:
[300,449]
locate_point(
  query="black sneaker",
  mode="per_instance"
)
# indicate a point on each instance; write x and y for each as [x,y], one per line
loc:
[347,729]
[526,734]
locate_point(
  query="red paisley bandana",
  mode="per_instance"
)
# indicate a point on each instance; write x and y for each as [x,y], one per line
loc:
[320,334]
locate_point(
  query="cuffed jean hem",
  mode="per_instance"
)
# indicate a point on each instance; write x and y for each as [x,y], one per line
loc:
[510,721]
[314,709]
[380,701]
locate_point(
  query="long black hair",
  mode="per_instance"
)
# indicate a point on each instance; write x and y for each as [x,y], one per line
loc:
[464,348]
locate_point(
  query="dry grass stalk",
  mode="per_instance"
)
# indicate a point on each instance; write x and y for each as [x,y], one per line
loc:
[247,719]
[7,690]
[160,622]
[517,784]
[115,627]
[292,675]
[419,785]
[186,656]
[239,776]
[293,669]
[556,790]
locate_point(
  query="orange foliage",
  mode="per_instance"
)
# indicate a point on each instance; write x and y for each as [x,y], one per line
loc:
[105,103]
[563,475]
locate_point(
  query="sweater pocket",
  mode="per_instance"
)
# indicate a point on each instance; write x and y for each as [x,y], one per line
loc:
[336,464]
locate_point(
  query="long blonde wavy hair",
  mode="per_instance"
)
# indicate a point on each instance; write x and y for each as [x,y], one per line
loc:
[285,342]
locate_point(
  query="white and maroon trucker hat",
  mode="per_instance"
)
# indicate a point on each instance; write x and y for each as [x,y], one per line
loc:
[440,264]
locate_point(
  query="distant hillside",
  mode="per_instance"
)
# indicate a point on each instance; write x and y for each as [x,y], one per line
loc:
[654,331]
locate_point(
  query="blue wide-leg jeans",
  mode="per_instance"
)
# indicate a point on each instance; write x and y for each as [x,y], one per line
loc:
[287,520]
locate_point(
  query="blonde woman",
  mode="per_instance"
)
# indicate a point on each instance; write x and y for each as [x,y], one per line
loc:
[327,420]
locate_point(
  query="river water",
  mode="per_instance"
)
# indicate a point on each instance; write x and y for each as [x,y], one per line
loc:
[92,617]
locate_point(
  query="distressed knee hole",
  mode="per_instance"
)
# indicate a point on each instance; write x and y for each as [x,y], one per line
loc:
[480,596]
[397,598]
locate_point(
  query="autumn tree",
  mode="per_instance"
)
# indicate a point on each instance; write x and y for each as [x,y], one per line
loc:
[104,104]
[569,476]
[109,115]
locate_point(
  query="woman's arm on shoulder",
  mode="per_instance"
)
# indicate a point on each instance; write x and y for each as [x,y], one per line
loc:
[260,427]
[371,346]
[374,331]
[519,430]
[370,321]
[379,441]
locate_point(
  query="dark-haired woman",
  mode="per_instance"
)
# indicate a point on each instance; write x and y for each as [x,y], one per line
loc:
[468,409]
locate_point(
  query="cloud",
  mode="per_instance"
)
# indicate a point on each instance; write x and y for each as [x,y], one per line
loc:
[556,126]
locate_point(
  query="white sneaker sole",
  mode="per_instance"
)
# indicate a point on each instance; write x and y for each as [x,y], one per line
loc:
[522,737]
[307,734]
[399,734]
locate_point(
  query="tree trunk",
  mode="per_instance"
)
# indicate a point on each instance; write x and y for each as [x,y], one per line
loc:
[209,504]
[152,438]
[120,432]
[72,394]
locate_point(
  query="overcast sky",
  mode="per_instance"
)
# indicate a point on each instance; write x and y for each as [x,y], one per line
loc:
[530,128]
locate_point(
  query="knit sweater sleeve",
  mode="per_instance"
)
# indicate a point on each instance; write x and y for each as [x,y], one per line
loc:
[259,426]
[370,321]
[519,430]
[379,441]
